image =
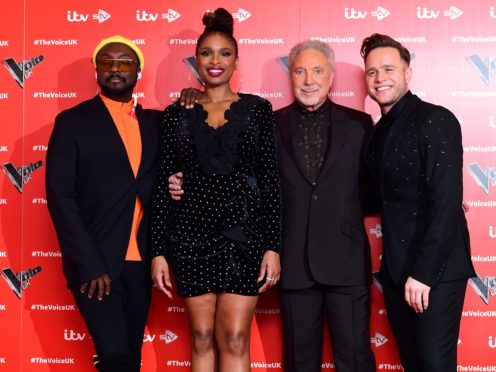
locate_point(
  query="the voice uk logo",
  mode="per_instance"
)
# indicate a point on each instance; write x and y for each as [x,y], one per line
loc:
[19,282]
[19,176]
[20,71]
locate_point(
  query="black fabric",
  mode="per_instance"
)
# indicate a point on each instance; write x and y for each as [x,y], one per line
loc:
[383,130]
[117,322]
[216,149]
[91,194]
[229,214]
[311,138]
[420,186]
[91,189]
[324,239]
[325,256]
[347,310]
[425,236]
[427,342]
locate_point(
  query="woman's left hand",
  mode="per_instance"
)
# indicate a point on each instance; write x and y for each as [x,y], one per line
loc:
[270,270]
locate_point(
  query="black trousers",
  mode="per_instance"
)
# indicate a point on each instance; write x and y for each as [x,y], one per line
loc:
[348,317]
[117,322]
[427,342]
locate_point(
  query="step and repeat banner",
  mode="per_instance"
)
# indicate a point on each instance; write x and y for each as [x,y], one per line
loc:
[45,49]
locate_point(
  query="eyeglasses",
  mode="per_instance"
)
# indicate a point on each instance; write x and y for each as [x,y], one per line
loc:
[123,64]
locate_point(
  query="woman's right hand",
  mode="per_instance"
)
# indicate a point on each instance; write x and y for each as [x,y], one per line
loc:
[160,275]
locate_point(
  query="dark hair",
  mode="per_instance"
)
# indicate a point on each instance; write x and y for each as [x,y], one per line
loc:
[220,21]
[381,41]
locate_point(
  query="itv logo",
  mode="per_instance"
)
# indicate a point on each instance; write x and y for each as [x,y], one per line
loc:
[71,335]
[380,13]
[74,17]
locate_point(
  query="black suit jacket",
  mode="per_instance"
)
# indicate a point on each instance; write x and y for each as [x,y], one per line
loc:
[323,237]
[91,189]
[419,183]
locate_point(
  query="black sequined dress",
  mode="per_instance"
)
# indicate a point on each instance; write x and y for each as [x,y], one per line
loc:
[229,214]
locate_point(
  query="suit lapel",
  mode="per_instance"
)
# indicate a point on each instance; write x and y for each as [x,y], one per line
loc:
[145,145]
[337,135]
[286,125]
[365,157]
[396,129]
[398,126]
[368,141]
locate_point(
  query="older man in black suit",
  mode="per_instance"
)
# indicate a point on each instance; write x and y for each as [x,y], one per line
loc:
[415,157]
[325,255]
[100,172]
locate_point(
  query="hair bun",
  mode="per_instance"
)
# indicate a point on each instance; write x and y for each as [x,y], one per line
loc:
[220,20]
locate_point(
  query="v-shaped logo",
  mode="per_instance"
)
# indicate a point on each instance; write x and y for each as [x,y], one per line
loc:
[22,175]
[20,281]
[22,70]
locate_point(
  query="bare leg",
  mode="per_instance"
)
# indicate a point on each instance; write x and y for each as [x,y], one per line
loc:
[233,319]
[201,313]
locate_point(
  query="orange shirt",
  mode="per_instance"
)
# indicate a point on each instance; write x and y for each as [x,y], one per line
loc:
[128,128]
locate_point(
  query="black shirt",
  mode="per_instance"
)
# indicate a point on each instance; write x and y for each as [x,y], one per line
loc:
[311,138]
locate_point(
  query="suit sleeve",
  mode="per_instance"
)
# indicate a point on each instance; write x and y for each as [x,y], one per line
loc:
[168,164]
[268,179]
[442,156]
[76,244]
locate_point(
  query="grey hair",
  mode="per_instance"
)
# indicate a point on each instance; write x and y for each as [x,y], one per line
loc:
[322,47]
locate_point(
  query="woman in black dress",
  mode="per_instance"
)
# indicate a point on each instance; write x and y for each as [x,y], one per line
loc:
[222,238]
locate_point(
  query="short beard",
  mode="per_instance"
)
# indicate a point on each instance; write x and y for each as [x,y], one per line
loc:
[123,93]
[309,102]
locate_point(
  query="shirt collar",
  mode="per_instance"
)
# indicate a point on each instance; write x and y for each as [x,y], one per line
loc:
[395,111]
[326,106]
[111,102]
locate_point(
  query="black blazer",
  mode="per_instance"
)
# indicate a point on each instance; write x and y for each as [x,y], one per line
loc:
[323,238]
[420,187]
[91,189]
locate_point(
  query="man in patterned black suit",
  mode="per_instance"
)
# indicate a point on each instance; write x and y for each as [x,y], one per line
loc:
[414,156]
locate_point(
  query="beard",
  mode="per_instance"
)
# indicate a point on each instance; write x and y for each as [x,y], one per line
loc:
[312,101]
[122,89]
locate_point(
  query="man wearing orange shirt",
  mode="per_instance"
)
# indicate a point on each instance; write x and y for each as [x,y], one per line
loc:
[99,177]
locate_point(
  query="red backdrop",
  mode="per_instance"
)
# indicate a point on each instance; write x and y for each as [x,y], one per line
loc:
[46,47]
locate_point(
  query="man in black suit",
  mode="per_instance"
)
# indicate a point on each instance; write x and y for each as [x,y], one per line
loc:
[414,155]
[325,255]
[99,177]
